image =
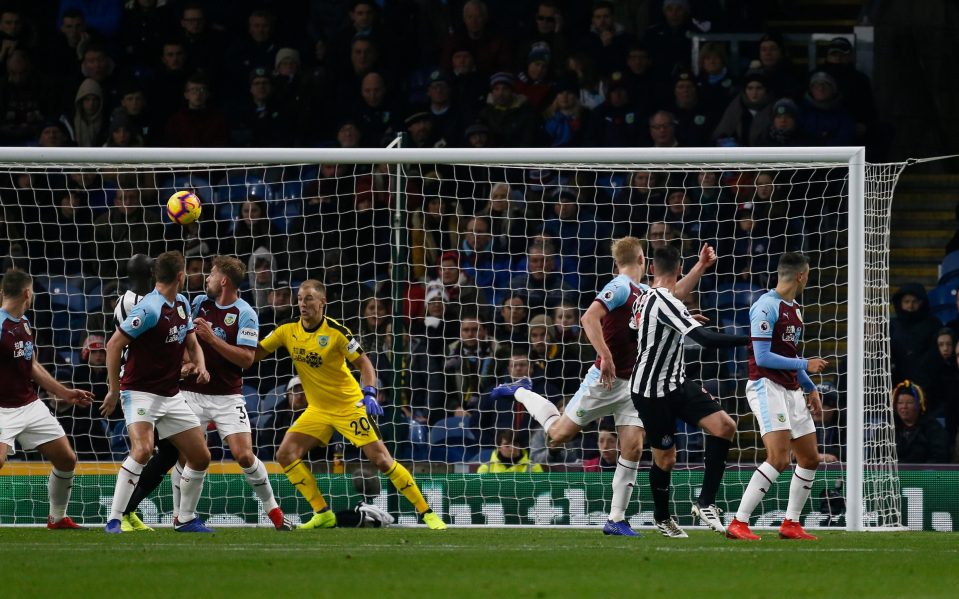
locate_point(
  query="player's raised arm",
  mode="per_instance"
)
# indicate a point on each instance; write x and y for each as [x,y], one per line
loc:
[686,285]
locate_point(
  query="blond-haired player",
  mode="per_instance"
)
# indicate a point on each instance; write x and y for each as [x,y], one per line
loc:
[320,347]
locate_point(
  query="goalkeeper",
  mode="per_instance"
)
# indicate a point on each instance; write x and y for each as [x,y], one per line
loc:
[319,347]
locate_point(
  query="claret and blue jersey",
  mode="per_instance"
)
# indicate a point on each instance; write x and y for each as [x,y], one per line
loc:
[778,322]
[619,297]
[157,329]
[237,324]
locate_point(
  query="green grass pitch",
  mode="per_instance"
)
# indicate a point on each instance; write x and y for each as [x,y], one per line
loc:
[472,563]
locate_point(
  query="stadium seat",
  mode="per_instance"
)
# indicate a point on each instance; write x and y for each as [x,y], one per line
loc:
[252,401]
[267,406]
[949,269]
[942,301]
[451,441]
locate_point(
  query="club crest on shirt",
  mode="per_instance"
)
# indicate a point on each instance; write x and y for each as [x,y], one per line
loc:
[229,319]
[26,328]
[180,311]
[323,340]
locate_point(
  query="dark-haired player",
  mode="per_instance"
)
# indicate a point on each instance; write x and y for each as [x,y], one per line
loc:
[23,417]
[662,393]
[157,331]
[777,384]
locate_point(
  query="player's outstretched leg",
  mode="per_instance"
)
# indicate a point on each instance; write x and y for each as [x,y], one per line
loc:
[60,482]
[401,478]
[241,446]
[541,409]
[160,463]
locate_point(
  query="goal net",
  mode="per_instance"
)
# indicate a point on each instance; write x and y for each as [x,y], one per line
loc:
[457,271]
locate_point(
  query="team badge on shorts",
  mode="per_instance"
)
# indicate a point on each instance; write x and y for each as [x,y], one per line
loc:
[229,319]
[580,413]
[781,417]
[324,340]
[141,412]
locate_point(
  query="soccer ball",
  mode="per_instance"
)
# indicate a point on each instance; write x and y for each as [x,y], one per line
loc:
[183,207]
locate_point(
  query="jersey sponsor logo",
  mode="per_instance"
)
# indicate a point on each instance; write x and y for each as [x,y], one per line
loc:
[180,311]
[764,326]
[353,346]
[136,322]
[323,340]
[248,334]
[311,359]
[23,349]
[791,334]
[229,319]
[219,332]
[176,334]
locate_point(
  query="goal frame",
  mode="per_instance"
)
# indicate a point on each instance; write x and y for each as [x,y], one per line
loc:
[850,157]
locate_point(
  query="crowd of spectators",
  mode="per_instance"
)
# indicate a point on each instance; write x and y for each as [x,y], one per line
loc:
[500,261]
[348,73]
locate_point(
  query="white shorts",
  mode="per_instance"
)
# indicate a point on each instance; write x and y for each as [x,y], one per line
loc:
[227,412]
[168,415]
[32,425]
[779,409]
[594,401]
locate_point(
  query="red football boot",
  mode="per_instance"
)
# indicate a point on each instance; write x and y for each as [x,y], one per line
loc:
[740,530]
[279,520]
[794,530]
[65,523]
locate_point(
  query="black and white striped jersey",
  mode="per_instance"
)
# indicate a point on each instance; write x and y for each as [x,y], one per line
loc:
[662,321]
[120,313]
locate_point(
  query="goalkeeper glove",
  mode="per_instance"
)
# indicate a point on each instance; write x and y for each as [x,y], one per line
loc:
[373,407]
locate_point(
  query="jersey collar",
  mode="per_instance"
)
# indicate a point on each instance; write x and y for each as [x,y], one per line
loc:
[316,328]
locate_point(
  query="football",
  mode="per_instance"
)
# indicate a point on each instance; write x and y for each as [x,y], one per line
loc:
[183,207]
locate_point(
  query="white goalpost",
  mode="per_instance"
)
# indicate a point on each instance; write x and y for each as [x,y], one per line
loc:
[458,269]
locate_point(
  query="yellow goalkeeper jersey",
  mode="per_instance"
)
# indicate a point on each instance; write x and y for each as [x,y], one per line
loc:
[319,356]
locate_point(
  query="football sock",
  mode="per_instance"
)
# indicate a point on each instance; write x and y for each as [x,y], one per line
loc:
[763,479]
[799,489]
[127,479]
[153,473]
[302,480]
[623,482]
[404,483]
[541,409]
[191,485]
[659,485]
[717,449]
[258,479]
[175,476]
[59,484]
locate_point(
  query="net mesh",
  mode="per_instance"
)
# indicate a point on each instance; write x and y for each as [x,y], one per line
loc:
[455,278]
